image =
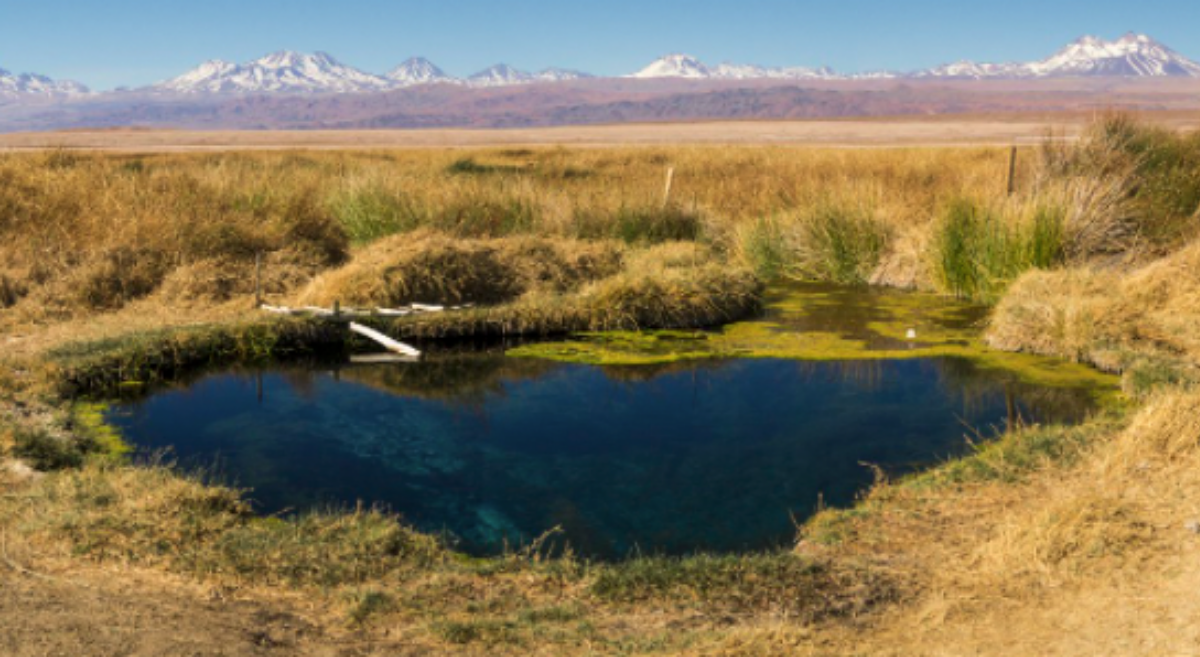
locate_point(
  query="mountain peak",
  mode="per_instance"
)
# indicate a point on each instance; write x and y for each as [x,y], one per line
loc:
[675,65]
[285,71]
[498,76]
[1132,55]
[418,70]
[21,85]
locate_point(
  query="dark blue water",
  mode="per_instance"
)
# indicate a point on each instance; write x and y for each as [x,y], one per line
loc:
[492,450]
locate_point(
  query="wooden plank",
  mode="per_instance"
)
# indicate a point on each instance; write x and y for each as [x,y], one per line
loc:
[426,308]
[392,312]
[385,341]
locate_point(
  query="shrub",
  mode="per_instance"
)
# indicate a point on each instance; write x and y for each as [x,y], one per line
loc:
[1155,172]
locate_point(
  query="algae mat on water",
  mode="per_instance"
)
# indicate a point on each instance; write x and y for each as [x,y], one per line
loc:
[824,322]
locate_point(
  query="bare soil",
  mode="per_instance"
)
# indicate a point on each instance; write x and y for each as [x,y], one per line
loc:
[952,130]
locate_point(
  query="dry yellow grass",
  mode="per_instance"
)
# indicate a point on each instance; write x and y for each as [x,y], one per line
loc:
[1092,314]
[1053,541]
[89,234]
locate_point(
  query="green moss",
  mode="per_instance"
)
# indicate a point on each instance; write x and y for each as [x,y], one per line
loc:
[824,323]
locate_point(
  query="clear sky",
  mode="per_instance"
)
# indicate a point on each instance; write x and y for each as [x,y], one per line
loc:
[134,42]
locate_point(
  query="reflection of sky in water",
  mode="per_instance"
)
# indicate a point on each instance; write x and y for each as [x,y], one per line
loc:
[708,456]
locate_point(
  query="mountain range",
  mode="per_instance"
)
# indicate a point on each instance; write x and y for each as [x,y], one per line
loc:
[30,84]
[286,72]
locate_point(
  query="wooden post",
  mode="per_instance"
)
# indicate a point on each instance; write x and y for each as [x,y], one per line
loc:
[1012,172]
[670,180]
[337,309]
[258,296]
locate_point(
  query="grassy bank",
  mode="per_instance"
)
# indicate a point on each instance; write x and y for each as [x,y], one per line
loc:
[134,270]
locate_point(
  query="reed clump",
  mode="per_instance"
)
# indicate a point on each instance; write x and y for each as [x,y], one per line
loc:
[978,251]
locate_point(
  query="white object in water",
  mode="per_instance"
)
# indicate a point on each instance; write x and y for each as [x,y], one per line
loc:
[912,334]
[388,343]
[425,308]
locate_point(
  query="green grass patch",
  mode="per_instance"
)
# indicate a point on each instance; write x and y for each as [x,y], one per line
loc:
[978,252]
[840,244]
[373,212]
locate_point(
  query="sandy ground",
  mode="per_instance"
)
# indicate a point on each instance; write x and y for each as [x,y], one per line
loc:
[905,131]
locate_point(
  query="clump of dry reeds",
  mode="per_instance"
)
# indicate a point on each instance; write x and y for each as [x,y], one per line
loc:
[431,267]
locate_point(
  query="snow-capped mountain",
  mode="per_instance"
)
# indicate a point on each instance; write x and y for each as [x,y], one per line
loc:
[561,75]
[1133,55]
[13,85]
[690,68]
[675,66]
[284,72]
[419,70]
[968,70]
[750,72]
[500,75]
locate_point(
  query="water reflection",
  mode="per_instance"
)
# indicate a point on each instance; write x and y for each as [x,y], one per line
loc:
[709,455]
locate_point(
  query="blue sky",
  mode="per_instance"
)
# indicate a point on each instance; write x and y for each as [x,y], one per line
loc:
[135,42]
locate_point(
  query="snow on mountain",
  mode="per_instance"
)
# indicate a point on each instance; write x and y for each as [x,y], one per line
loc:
[675,66]
[500,75]
[968,70]
[561,75]
[751,72]
[285,71]
[13,85]
[1133,55]
[419,70]
[689,68]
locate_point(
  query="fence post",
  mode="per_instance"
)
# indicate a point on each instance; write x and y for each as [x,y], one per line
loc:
[258,296]
[670,180]
[1012,171]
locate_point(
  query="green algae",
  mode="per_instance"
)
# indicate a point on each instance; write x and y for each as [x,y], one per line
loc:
[820,322]
[90,421]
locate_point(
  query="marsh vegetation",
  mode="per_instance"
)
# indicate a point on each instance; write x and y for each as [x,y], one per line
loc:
[118,271]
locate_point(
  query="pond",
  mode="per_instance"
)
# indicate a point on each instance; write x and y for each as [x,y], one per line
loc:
[712,453]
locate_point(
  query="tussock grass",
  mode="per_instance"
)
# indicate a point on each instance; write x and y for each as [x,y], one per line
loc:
[86,234]
[1116,322]
[674,285]
[433,268]
[840,243]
